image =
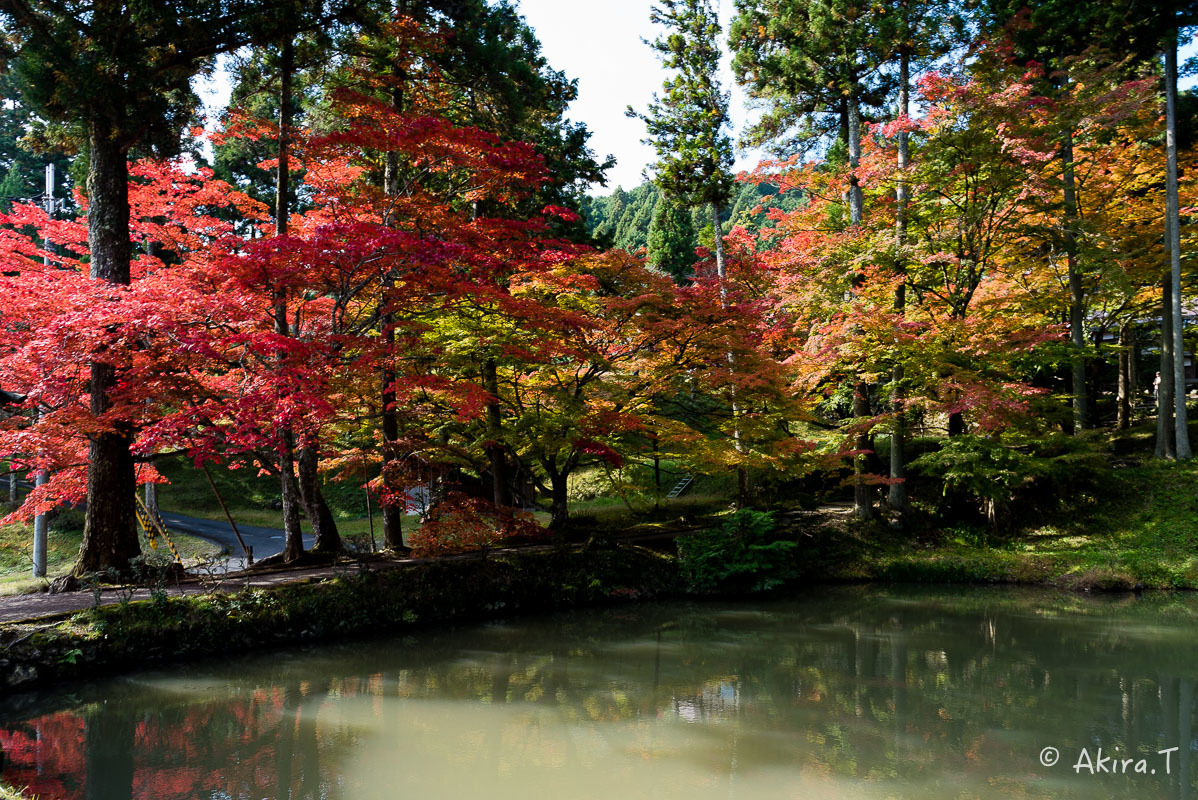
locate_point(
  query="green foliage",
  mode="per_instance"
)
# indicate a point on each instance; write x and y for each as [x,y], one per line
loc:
[623,212]
[22,171]
[741,555]
[687,127]
[805,60]
[1038,473]
[672,240]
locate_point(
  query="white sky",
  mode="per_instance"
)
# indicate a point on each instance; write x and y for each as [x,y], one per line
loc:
[600,45]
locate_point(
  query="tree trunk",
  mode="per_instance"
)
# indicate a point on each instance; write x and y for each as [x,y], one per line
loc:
[293,542]
[721,267]
[656,472]
[495,451]
[109,528]
[326,538]
[721,271]
[896,496]
[956,424]
[392,512]
[856,198]
[293,546]
[1166,443]
[863,506]
[1173,227]
[560,508]
[1077,298]
[1126,380]
[12,484]
[152,499]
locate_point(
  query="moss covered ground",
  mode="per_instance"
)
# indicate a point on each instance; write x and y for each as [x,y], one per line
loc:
[1139,531]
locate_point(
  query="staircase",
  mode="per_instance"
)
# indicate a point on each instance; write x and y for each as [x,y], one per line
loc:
[681,486]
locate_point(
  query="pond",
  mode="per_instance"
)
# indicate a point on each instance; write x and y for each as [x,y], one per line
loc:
[846,692]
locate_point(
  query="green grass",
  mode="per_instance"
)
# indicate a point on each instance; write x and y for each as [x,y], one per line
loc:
[1142,531]
[249,496]
[62,545]
[7,793]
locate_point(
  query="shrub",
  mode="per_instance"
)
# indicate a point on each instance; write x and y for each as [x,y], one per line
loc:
[1036,475]
[461,524]
[741,555]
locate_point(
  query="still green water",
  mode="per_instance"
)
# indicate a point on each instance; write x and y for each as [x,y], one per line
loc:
[858,692]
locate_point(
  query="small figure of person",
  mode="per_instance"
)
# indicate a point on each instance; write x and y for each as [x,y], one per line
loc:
[1156,387]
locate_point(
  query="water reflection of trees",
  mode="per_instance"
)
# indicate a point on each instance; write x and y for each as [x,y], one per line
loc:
[894,688]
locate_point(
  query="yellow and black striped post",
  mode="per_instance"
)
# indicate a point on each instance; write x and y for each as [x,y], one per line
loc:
[153,525]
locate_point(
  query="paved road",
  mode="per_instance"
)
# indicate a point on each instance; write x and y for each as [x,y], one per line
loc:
[262,541]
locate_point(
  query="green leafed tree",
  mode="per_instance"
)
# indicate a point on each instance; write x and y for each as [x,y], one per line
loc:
[688,124]
[672,240]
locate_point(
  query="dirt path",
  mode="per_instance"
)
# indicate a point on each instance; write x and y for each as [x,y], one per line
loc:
[24,608]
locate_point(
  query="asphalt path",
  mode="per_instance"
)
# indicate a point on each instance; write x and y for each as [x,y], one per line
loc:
[262,541]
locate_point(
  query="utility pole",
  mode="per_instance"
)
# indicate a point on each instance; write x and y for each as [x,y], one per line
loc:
[40,523]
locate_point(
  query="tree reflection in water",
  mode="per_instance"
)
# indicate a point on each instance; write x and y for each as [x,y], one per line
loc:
[853,692]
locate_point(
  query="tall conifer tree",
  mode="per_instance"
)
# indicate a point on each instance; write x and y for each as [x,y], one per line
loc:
[688,125]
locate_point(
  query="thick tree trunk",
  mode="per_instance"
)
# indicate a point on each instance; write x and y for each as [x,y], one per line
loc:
[109,528]
[293,544]
[956,424]
[1126,376]
[495,450]
[1173,227]
[1077,297]
[856,198]
[1166,443]
[12,485]
[326,538]
[560,508]
[392,512]
[896,496]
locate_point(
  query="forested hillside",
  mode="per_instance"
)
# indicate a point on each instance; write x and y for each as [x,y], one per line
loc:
[626,220]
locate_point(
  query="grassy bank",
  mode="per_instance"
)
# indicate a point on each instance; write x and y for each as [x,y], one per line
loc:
[62,545]
[253,499]
[1140,531]
[7,793]
[166,629]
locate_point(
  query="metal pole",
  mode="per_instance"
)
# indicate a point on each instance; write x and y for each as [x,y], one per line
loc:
[40,525]
[1181,428]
